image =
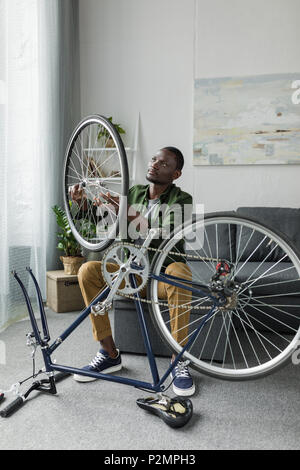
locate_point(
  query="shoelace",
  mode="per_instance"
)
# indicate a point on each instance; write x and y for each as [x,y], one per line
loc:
[98,359]
[181,370]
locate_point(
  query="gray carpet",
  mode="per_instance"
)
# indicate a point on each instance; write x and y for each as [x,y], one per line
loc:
[262,414]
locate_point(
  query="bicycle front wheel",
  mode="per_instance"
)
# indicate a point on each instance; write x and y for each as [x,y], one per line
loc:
[96,163]
[256,272]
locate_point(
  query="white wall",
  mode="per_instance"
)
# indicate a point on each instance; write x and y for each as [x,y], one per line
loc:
[137,56]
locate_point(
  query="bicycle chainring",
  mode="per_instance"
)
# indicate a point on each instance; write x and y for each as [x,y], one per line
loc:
[127,258]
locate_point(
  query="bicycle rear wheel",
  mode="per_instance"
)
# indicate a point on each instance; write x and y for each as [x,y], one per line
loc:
[96,161]
[257,271]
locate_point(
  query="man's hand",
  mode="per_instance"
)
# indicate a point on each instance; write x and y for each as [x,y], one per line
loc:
[110,202]
[78,195]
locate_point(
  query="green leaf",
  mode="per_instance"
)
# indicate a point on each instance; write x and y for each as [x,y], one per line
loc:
[67,241]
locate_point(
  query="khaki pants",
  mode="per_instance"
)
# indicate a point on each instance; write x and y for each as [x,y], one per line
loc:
[91,283]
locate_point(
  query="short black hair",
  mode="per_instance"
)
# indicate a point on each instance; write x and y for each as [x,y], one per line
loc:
[178,155]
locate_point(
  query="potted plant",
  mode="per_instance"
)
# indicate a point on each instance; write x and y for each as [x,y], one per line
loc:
[72,259]
[104,134]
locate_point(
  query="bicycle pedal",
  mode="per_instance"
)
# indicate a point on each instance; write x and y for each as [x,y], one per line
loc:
[100,309]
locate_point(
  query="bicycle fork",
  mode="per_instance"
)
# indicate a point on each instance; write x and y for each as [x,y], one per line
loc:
[34,340]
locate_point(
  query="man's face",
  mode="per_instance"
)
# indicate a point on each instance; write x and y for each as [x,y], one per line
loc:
[162,168]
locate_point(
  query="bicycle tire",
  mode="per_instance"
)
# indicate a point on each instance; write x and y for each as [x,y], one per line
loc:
[281,242]
[75,174]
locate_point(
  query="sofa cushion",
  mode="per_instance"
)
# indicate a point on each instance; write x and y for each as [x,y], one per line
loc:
[284,220]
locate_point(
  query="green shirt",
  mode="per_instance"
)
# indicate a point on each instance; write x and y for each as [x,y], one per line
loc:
[174,208]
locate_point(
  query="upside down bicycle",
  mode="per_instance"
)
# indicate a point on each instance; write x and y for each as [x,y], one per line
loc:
[242,290]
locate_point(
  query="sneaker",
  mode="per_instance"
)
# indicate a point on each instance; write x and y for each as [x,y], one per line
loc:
[183,384]
[101,363]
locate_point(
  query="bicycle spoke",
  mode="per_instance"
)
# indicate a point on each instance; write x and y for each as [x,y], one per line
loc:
[249,257]
[210,252]
[262,275]
[239,343]
[230,247]
[250,324]
[249,339]
[276,283]
[239,257]
[206,337]
[269,275]
[263,304]
[204,261]
[218,339]
[265,325]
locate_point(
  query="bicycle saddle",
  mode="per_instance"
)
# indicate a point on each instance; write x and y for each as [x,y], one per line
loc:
[175,412]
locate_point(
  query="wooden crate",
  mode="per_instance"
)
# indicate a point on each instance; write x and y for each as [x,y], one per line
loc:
[63,292]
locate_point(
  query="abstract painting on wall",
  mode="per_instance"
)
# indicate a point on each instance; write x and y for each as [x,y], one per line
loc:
[247,120]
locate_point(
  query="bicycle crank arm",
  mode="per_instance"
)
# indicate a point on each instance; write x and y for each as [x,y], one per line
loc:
[151,235]
[101,307]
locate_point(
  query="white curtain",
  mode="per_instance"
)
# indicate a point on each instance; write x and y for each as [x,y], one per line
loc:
[39,106]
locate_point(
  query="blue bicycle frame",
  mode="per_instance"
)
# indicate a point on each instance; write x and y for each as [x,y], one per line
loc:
[158,383]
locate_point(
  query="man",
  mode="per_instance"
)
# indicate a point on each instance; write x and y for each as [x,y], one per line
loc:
[164,168]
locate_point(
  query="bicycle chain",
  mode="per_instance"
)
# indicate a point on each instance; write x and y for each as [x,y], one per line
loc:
[183,255]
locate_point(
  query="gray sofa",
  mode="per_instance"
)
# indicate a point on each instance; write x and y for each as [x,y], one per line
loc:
[287,221]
